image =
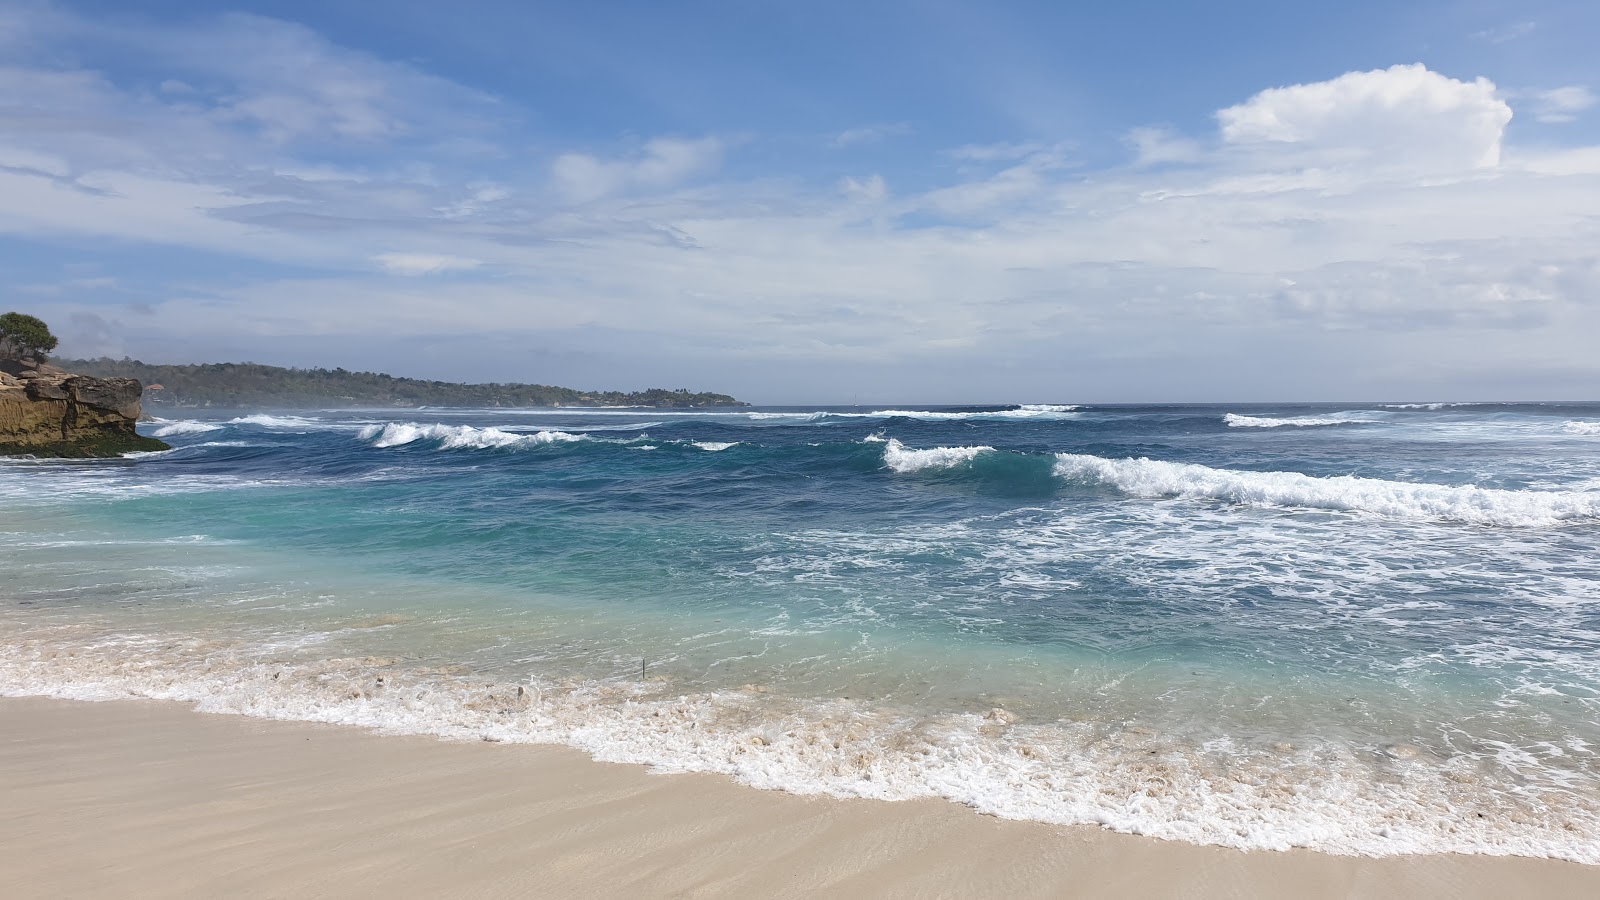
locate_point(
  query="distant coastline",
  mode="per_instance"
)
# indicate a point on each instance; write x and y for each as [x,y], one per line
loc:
[255,385]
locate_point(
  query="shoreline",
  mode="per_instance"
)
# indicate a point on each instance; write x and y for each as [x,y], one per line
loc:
[151,798]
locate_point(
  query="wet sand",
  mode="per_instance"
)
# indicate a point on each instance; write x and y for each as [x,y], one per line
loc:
[149,799]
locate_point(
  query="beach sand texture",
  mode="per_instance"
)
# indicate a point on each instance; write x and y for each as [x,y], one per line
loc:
[148,799]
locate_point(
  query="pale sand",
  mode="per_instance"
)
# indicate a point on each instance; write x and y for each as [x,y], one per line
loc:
[141,799]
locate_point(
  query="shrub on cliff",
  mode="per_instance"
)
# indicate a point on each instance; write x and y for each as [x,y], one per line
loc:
[24,337]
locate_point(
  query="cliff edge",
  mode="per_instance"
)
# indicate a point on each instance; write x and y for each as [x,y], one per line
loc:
[45,411]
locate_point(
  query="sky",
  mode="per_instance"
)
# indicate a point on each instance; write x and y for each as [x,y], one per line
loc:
[829,202]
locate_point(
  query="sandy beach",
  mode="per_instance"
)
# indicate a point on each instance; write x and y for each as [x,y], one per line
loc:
[149,799]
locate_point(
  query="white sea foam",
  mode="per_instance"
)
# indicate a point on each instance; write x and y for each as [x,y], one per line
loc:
[174,429]
[1395,499]
[1038,411]
[714,446]
[458,437]
[1581,428]
[801,416]
[1324,796]
[267,421]
[903,460]
[1236,420]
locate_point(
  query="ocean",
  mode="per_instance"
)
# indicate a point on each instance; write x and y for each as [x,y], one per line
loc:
[1361,628]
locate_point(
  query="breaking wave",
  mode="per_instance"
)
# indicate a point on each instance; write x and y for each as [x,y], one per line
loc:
[903,460]
[1235,420]
[268,421]
[1036,411]
[175,429]
[458,437]
[1042,411]
[1153,479]
[1581,428]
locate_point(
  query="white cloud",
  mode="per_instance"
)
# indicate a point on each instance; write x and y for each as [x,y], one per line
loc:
[1562,104]
[1401,117]
[1026,183]
[1307,241]
[414,264]
[663,163]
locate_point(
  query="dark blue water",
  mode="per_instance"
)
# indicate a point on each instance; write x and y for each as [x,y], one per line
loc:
[1361,628]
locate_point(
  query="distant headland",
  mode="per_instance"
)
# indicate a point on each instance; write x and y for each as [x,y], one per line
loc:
[236,385]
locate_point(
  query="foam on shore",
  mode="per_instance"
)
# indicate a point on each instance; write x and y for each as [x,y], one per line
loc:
[1382,800]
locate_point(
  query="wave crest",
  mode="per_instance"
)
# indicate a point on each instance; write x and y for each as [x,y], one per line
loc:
[175,429]
[903,460]
[458,437]
[1235,420]
[1394,499]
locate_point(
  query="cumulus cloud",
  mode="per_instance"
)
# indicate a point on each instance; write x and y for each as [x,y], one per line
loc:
[662,163]
[1563,104]
[1405,116]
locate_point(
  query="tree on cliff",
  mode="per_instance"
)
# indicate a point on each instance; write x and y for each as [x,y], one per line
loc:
[24,337]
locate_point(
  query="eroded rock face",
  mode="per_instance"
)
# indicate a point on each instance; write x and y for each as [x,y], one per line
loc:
[48,412]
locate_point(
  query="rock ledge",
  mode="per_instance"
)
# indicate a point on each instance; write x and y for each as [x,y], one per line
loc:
[45,411]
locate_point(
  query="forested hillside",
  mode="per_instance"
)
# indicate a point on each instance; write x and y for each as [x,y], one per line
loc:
[253,385]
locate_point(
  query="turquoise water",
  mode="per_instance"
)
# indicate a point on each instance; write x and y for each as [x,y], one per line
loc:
[1363,629]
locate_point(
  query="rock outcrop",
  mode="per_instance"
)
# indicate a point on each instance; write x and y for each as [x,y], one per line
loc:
[45,411]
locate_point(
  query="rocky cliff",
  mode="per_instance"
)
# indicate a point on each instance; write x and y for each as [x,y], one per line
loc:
[45,411]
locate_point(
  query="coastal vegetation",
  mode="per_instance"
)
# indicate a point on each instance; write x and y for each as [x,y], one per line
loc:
[24,337]
[255,385]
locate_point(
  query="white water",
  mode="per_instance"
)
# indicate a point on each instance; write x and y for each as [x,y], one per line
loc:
[456,437]
[1381,800]
[1235,420]
[900,459]
[1395,499]
[173,429]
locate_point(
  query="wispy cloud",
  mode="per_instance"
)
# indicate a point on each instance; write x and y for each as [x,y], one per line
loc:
[662,163]
[1563,104]
[871,134]
[1003,151]
[414,264]
[1504,33]
[1155,146]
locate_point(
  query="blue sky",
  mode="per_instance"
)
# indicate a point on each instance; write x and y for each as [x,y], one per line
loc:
[869,202]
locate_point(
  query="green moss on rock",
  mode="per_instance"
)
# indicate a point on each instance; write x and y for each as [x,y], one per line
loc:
[99,446]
